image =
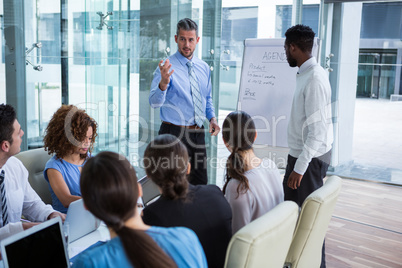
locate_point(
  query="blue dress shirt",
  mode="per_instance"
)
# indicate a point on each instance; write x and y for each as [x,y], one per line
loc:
[176,102]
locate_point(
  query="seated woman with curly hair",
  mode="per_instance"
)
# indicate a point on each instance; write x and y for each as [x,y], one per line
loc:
[70,135]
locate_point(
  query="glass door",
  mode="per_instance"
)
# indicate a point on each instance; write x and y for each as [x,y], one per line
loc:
[105,94]
[101,70]
[43,73]
[366,84]
[32,64]
[388,73]
[376,75]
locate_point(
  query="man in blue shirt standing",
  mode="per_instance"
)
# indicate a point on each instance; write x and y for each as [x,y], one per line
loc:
[181,87]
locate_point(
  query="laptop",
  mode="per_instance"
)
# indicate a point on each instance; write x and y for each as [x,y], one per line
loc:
[81,222]
[150,191]
[42,245]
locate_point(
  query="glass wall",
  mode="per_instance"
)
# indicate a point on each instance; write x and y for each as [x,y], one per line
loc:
[100,37]
[381,21]
[381,35]
[310,15]
[101,55]
[243,21]
[238,23]
[250,19]
[377,71]
[379,63]
[43,69]
[115,48]
[366,136]
[2,65]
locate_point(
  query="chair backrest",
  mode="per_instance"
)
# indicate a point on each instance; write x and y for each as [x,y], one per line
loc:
[149,190]
[314,218]
[35,162]
[265,241]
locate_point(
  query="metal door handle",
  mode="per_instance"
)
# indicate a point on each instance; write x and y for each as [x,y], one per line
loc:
[38,67]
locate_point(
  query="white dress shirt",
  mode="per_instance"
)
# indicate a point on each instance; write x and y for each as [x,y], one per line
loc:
[21,199]
[310,131]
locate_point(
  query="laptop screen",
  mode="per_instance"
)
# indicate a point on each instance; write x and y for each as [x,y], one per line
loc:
[80,220]
[44,248]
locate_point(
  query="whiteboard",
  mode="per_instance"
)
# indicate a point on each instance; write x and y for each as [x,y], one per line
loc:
[267,85]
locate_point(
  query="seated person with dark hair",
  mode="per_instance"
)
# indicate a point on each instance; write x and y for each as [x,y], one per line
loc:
[70,136]
[17,196]
[110,191]
[202,208]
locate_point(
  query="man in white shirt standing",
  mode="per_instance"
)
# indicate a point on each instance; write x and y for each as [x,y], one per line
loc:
[310,131]
[16,194]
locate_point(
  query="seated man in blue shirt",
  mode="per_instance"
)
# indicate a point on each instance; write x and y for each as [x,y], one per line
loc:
[181,87]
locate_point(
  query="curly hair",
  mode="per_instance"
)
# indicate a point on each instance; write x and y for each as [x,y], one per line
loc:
[67,129]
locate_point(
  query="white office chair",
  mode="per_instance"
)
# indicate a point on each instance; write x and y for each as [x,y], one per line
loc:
[265,241]
[316,212]
[35,162]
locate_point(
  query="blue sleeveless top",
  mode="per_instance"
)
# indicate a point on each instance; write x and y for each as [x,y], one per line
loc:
[71,175]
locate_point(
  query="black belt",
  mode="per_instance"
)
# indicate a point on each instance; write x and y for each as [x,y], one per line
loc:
[188,127]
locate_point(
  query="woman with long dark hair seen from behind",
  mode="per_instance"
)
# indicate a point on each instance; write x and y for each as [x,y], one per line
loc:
[202,208]
[253,186]
[110,191]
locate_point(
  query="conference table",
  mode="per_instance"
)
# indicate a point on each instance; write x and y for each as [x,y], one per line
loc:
[79,245]
[100,234]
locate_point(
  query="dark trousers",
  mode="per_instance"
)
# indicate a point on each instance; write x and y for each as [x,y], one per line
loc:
[311,181]
[194,140]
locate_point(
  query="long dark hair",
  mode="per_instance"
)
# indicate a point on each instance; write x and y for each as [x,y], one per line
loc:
[238,131]
[110,191]
[166,162]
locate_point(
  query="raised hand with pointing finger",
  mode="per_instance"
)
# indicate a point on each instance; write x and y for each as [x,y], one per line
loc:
[165,74]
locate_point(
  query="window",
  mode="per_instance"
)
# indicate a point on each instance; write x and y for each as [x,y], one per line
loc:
[284,18]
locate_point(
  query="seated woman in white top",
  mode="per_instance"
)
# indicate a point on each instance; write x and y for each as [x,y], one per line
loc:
[253,186]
